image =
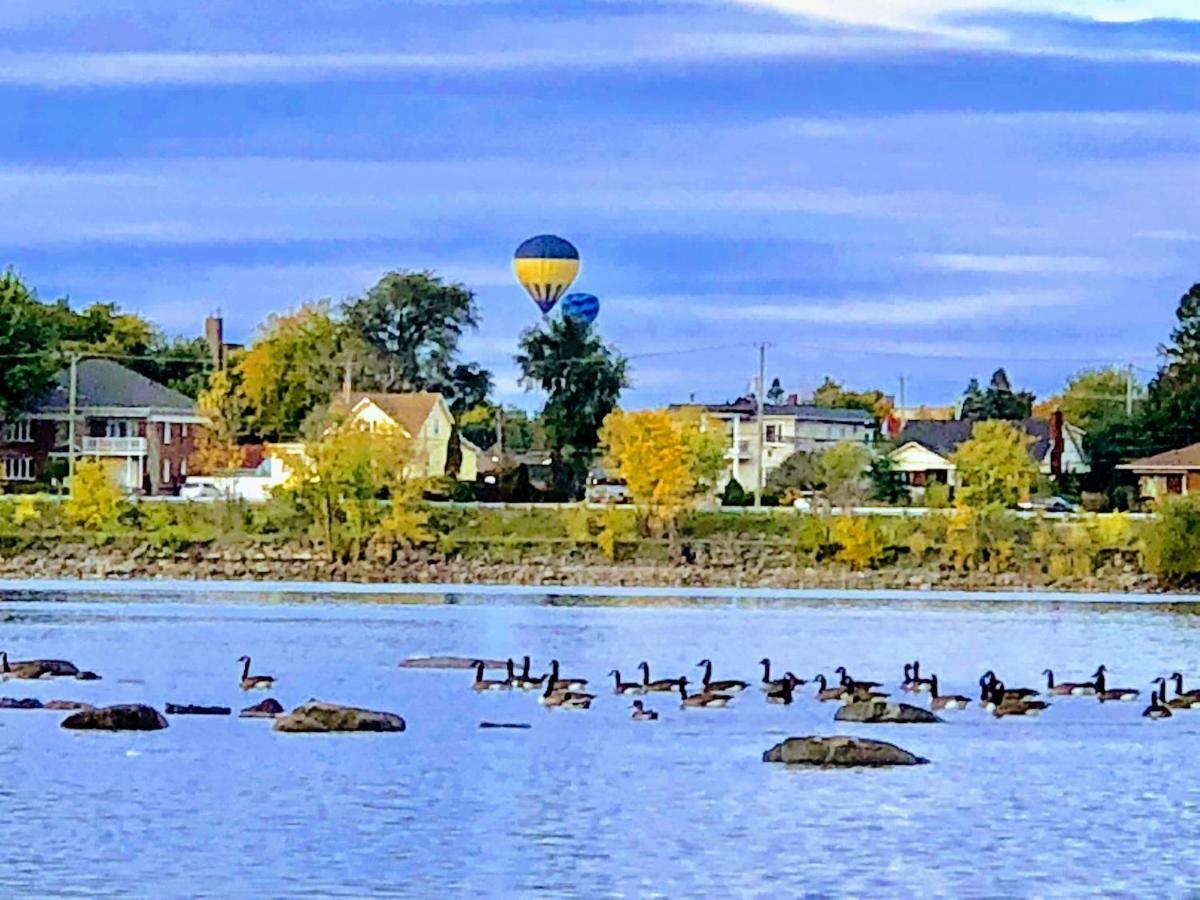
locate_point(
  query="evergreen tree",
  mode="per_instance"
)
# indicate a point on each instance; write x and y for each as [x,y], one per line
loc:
[1170,418]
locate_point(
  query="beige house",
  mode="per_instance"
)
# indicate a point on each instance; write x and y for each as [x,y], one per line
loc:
[1164,474]
[423,418]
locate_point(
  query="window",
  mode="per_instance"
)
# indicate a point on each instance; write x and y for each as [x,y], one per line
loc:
[17,432]
[772,433]
[116,428]
[18,468]
[167,433]
[166,472]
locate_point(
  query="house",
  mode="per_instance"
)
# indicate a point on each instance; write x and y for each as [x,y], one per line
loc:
[1173,472]
[787,428]
[424,418]
[925,448]
[142,431]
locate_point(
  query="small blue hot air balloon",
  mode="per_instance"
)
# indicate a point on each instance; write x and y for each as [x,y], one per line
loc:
[584,307]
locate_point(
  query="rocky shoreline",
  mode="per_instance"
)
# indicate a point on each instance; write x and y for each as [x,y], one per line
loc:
[288,562]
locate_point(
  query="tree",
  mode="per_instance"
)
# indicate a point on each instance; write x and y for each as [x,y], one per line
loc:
[667,459]
[1170,418]
[799,472]
[776,395]
[842,470]
[999,401]
[1092,399]
[832,395]
[1173,541]
[583,378]
[887,485]
[734,494]
[223,403]
[28,338]
[411,323]
[993,467]
[293,368]
[95,500]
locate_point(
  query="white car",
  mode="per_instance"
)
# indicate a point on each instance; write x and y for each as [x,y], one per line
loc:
[199,492]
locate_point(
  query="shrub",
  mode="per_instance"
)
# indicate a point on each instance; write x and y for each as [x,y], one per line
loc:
[95,501]
[735,495]
[937,495]
[1173,541]
[859,543]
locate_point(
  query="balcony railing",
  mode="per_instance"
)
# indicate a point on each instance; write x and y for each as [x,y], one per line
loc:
[114,446]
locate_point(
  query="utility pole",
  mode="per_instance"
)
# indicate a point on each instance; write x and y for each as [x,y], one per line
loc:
[348,380]
[1129,390]
[72,399]
[902,403]
[500,432]
[758,396]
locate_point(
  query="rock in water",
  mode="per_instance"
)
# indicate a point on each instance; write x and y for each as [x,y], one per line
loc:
[21,703]
[517,725]
[69,705]
[878,711]
[87,676]
[840,751]
[126,717]
[449,662]
[315,716]
[268,709]
[188,709]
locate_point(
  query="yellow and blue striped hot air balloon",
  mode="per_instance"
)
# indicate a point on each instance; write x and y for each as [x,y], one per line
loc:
[546,265]
[584,307]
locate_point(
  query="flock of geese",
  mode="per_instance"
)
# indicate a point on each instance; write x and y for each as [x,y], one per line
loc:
[563,692]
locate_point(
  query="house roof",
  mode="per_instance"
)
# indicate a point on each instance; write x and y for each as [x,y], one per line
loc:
[408,410]
[1183,459]
[103,382]
[804,412]
[944,437]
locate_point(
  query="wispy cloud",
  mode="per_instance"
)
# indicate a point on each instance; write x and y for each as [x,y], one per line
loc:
[1017,264]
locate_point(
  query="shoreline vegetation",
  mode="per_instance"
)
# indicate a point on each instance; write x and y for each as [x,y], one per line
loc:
[957,549]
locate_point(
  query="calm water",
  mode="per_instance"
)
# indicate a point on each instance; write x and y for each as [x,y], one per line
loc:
[589,804]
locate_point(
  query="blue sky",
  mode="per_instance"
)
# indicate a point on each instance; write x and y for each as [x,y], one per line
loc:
[927,188]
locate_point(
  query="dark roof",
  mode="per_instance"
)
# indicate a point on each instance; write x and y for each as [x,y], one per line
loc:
[802,411]
[944,437]
[1184,458]
[102,382]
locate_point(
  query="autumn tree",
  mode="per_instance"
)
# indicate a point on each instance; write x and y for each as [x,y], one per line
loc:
[667,458]
[994,467]
[95,499]
[582,378]
[832,395]
[293,367]
[223,403]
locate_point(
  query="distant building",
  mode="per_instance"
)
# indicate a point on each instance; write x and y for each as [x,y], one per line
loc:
[787,428]
[925,448]
[143,432]
[1176,472]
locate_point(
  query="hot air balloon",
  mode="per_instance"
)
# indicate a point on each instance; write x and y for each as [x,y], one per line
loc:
[546,265]
[584,307]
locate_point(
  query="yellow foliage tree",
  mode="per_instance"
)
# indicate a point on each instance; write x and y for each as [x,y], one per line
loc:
[861,544]
[993,467]
[222,403]
[667,458]
[95,500]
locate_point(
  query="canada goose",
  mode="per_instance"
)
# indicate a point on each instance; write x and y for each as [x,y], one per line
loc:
[794,681]
[913,682]
[701,701]
[254,682]
[1104,693]
[485,684]
[641,714]
[726,687]
[564,699]
[862,695]
[988,679]
[1003,705]
[525,681]
[624,687]
[945,701]
[767,683]
[1067,688]
[662,685]
[24,670]
[782,694]
[1158,708]
[826,693]
[851,685]
[1179,701]
[558,683]
[1179,691]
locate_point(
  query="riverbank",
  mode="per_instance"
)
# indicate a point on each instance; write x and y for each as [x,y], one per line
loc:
[764,569]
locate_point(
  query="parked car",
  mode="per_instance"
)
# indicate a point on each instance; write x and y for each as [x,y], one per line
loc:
[199,492]
[1050,504]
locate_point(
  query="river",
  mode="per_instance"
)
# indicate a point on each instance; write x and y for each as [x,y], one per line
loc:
[1088,797]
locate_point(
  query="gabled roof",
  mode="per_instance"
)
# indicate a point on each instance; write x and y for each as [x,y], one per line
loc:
[1183,459]
[409,411]
[944,437]
[105,383]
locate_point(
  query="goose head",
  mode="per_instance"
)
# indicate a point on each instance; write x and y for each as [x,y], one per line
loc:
[703,663]
[243,659]
[644,666]
[637,704]
[841,670]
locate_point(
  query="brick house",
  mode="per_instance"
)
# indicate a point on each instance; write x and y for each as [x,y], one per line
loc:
[142,431]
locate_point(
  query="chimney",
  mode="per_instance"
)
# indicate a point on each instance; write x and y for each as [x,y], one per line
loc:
[214,336]
[793,399]
[1056,442]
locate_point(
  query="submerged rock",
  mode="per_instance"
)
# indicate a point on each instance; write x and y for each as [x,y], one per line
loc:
[125,717]
[878,711]
[20,703]
[840,751]
[504,725]
[450,662]
[188,709]
[267,709]
[315,716]
[67,705]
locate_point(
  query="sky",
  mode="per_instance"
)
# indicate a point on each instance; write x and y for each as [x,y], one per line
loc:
[878,189]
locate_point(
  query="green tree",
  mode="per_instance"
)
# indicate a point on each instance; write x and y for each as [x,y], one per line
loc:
[999,401]
[292,368]
[735,495]
[993,467]
[28,338]
[832,395]
[887,485]
[1172,541]
[1092,399]
[582,378]
[799,472]
[842,470]
[1170,418]
[776,395]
